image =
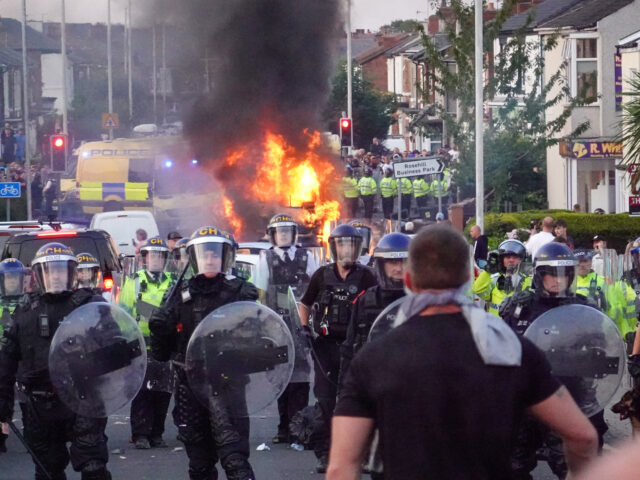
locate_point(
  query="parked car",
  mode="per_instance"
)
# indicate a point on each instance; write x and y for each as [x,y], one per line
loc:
[122,226]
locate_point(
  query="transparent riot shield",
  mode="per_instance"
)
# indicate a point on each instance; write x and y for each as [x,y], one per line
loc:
[97,359]
[301,343]
[240,357]
[585,351]
[388,319]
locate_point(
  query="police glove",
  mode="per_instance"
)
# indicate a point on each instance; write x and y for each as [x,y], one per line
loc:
[634,366]
[492,263]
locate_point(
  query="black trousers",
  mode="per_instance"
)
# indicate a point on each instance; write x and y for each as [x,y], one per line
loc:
[148,413]
[326,367]
[387,206]
[49,425]
[220,432]
[406,206]
[294,398]
[367,201]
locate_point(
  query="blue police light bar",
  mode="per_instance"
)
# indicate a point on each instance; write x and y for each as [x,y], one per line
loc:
[168,163]
[194,161]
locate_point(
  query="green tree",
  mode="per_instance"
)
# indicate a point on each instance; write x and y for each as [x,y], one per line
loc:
[372,110]
[630,132]
[517,135]
[401,26]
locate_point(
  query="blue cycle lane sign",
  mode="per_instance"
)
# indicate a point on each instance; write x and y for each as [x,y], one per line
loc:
[10,190]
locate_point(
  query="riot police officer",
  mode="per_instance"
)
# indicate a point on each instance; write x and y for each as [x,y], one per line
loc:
[553,285]
[365,232]
[207,436]
[12,274]
[48,423]
[141,295]
[330,296]
[502,275]
[89,274]
[281,267]
[368,189]
[389,259]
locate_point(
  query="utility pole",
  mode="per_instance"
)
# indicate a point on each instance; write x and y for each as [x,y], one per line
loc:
[63,42]
[479,119]
[109,72]
[25,108]
[349,64]
[164,74]
[154,81]
[130,63]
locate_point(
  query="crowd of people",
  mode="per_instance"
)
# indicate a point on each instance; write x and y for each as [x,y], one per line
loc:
[368,181]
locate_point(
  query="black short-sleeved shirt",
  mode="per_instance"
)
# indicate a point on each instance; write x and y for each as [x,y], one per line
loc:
[442,413]
[316,284]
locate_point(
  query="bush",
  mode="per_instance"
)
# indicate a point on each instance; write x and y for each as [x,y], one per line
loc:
[618,229]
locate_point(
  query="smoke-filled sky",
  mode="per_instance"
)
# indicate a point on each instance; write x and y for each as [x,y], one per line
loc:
[367,14]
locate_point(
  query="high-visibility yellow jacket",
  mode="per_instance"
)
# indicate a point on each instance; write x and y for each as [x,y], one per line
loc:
[421,187]
[487,287]
[350,187]
[367,186]
[388,187]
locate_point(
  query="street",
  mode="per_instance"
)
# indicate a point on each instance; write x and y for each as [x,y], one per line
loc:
[279,463]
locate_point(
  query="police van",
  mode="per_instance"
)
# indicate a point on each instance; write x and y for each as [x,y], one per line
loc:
[157,174]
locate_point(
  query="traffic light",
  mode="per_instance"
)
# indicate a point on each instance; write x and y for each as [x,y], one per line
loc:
[346,132]
[58,152]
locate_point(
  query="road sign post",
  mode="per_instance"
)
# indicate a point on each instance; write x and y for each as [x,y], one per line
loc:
[417,167]
[9,190]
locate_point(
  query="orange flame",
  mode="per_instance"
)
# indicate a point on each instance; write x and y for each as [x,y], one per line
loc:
[288,177]
[235,221]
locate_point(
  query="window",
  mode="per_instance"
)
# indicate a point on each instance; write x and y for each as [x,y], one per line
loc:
[584,71]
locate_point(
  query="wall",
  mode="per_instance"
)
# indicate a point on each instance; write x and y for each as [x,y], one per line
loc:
[52,79]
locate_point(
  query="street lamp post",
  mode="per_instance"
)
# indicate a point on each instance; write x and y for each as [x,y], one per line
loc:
[109,78]
[479,118]
[25,109]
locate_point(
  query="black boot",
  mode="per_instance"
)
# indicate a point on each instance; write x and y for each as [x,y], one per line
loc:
[237,467]
[95,470]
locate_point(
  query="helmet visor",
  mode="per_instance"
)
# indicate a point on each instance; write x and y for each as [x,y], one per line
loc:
[284,236]
[345,250]
[366,239]
[556,281]
[211,258]
[11,284]
[390,272]
[89,277]
[154,261]
[56,277]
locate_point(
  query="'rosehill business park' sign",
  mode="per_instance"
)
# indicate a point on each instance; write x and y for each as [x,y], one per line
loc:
[591,149]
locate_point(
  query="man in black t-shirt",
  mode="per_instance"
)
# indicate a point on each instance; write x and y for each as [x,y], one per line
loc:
[447,387]
[328,302]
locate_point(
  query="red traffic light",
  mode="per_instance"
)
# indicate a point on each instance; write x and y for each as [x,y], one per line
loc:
[58,142]
[345,123]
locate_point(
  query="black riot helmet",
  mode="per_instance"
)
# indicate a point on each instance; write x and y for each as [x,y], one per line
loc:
[510,248]
[282,230]
[211,251]
[345,244]
[55,268]
[365,233]
[393,247]
[88,271]
[554,271]
[159,247]
[12,274]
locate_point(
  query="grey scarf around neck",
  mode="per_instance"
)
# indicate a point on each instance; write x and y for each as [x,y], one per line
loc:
[497,344]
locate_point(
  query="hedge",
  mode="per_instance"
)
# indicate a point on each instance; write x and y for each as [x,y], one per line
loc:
[618,229]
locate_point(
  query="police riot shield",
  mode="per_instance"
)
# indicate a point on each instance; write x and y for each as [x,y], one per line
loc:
[389,318]
[301,342]
[239,357]
[585,351]
[97,359]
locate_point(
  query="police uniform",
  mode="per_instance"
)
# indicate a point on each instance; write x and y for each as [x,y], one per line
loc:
[350,192]
[406,189]
[388,192]
[519,311]
[330,298]
[24,355]
[421,190]
[208,436]
[281,268]
[141,295]
[368,189]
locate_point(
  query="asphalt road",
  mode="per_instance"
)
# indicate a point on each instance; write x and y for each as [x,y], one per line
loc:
[279,463]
